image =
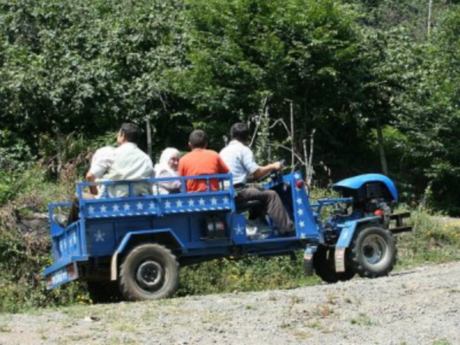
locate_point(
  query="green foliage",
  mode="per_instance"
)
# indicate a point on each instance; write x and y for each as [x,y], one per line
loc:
[73,71]
[85,66]
[433,240]
[247,274]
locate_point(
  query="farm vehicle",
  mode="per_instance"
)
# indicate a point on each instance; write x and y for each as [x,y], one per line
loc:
[133,246]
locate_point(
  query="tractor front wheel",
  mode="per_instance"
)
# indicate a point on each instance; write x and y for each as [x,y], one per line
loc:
[149,271]
[373,252]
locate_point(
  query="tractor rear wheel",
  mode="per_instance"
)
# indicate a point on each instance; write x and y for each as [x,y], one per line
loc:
[149,271]
[324,265]
[373,252]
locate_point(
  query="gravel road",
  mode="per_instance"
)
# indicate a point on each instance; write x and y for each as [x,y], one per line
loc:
[417,306]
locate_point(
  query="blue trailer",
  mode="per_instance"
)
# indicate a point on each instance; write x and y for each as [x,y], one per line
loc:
[133,246]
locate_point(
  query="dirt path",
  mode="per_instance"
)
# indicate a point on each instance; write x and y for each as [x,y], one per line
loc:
[419,306]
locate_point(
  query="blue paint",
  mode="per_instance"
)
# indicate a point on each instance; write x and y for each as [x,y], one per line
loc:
[357,182]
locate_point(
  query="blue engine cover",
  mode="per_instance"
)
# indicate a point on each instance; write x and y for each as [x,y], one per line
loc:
[357,182]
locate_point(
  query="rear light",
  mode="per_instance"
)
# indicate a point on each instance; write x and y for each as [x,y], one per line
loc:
[299,184]
[379,213]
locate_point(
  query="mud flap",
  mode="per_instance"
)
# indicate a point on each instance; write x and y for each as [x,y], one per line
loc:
[339,260]
[308,260]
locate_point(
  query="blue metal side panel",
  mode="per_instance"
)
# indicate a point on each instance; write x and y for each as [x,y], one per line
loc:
[357,181]
[237,228]
[305,223]
[348,229]
[124,242]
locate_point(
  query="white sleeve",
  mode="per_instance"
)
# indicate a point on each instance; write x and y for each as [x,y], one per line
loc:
[247,159]
[98,169]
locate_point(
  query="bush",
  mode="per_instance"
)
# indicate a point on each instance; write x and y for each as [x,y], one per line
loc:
[246,274]
[433,239]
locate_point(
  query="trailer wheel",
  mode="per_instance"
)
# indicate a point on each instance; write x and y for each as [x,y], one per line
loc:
[149,271]
[324,265]
[373,252]
[103,291]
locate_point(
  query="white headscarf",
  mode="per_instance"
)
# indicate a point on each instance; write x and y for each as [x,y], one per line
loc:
[162,169]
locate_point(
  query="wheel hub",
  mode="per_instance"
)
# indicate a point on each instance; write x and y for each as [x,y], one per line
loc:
[149,274]
[374,249]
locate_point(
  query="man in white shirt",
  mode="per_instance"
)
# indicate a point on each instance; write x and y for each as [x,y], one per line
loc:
[101,162]
[129,163]
[240,160]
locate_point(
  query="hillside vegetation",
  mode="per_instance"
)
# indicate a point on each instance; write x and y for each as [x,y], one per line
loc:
[377,87]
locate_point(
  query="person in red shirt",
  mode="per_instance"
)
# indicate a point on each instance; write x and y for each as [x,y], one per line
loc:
[201,161]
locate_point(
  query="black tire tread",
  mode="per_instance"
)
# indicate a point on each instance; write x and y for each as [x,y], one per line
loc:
[324,265]
[358,267]
[126,288]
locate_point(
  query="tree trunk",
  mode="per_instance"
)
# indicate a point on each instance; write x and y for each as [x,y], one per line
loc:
[149,136]
[383,159]
[428,25]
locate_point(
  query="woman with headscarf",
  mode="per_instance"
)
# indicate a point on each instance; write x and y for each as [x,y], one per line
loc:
[167,167]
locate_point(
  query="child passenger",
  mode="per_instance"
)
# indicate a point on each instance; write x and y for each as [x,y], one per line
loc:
[201,161]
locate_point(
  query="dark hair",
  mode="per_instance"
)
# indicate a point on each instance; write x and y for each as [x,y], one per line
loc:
[130,131]
[239,131]
[198,139]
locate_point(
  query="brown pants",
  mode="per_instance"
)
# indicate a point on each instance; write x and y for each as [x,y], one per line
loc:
[272,205]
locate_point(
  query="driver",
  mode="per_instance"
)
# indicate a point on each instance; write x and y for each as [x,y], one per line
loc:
[240,160]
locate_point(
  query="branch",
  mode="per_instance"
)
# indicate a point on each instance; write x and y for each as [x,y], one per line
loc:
[290,150]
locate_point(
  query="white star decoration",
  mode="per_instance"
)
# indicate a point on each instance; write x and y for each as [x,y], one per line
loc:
[300,212]
[103,208]
[167,204]
[126,207]
[299,201]
[91,209]
[201,201]
[115,208]
[151,205]
[302,224]
[239,230]
[191,202]
[296,175]
[214,201]
[99,236]
[179,203]
[139,206]
[225,200]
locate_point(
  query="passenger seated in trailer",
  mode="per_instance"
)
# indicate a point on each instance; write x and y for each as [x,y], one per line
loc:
[129,163]
[101,161]
[126,162]
[201,161]
[167,167]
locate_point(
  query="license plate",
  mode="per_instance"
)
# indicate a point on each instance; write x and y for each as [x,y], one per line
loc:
[62,276]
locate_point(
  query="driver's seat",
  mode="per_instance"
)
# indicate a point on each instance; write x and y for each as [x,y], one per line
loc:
[247,205]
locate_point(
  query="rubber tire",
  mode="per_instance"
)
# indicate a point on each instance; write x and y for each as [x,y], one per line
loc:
[130,288]
[103,291]
[324,265]
[357,257]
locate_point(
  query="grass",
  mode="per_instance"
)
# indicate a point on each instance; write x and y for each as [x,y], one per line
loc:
[362,320]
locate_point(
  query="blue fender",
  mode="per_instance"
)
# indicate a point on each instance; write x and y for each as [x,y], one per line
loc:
[356,182]
[124,242]
[346,236]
